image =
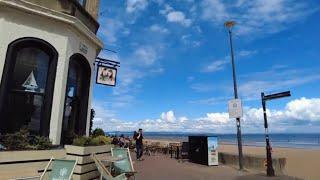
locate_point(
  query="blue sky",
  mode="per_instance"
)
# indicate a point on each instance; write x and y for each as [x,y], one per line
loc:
[175,72]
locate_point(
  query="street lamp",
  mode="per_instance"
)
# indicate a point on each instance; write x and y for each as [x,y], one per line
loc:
[229,25]
[264,99]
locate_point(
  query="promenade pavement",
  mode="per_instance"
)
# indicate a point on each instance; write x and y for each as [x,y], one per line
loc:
[161,167]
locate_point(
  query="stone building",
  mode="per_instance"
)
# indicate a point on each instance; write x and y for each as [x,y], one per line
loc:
[47,51]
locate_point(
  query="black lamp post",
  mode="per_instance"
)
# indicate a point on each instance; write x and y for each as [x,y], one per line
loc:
[264,98]
[229,25]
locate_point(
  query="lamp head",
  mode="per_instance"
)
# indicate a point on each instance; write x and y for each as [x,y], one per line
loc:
[229,24]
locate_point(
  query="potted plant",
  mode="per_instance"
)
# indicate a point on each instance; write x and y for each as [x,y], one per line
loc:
[81,149]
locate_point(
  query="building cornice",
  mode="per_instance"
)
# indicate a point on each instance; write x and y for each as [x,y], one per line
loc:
[58,16]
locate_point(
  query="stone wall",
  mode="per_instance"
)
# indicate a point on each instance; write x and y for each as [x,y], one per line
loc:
[253,162]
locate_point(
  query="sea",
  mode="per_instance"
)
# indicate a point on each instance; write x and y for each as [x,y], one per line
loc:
[293,140]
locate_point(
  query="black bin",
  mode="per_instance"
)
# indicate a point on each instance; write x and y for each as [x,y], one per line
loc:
[198,149]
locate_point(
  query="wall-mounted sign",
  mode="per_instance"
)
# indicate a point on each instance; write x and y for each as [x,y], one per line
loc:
[235,108]
[106,75]
[83,48]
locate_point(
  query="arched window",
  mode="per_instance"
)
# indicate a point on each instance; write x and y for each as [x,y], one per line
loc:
[76,100]
[27,86]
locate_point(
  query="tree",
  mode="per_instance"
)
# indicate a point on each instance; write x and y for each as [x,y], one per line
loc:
[92,115]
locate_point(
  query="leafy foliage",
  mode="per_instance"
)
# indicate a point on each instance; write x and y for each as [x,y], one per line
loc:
[91,141]
[101,140]
[16,141]
[81,141]
[22,140]
[92,115]
[42,143]
[98,132]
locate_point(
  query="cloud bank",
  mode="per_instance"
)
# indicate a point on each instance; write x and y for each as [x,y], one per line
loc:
[297,115]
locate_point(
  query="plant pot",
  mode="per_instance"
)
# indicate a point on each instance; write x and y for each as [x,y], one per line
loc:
[86,168]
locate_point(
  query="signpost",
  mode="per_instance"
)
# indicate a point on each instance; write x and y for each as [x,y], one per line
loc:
[264,98]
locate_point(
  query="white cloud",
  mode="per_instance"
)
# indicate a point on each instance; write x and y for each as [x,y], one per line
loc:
[214,10]
[183,119]
[175,16]
[136,5]
[146,54]
[159,29]
[178,17]
[187,40]
[166,10]
[111,31]
[274,80]
[304,109]
[168,116]
[215,66]
[220,64]
[202,87]
[247,53]
[216,118]
[297,115]
[256,17]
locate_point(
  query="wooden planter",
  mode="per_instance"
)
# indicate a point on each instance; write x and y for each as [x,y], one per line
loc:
[86,168]
[14,164]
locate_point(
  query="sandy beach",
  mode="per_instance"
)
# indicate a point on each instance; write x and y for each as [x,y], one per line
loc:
[300,163]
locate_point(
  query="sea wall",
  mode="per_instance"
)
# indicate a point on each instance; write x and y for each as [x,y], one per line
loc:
[253,162]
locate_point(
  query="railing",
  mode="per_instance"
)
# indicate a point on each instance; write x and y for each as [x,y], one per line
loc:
[73,8]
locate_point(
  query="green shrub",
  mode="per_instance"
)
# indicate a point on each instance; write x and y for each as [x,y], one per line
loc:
[94,141]
[81,141]
[22,140]
[98,132]
[42,143]
[16,141]
[101,140]
[91,141]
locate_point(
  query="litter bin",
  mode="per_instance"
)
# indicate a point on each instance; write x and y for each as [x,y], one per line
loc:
[203,150]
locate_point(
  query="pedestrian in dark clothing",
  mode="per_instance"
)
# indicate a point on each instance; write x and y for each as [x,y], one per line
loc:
[139,144]
[115,140]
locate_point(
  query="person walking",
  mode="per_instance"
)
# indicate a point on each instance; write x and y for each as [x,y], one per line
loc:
[139,144]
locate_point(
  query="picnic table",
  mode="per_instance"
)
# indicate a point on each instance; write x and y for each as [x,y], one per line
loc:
[175,149]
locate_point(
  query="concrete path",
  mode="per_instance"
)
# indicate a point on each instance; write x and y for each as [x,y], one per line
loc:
[161,167]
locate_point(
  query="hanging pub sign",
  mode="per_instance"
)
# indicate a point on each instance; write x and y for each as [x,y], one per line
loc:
[106,75]
[106,71]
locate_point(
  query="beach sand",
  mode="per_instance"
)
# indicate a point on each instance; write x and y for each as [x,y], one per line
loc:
[300,163]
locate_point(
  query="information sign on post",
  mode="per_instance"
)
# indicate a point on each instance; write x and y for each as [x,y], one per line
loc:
[235,108]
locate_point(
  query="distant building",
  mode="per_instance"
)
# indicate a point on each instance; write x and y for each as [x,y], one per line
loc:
[47,51]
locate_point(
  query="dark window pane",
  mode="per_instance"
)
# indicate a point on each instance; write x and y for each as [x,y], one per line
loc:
[30,71]
[26,95]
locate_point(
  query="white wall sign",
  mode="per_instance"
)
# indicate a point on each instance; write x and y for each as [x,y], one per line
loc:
[235,108]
